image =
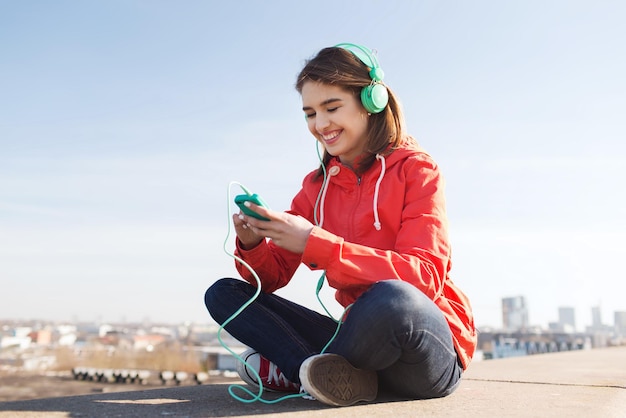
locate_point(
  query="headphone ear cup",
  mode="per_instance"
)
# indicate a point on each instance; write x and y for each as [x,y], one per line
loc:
[374,97]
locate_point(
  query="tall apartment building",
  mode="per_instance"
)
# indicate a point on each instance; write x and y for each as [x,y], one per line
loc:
[620,323]
[514,313]
[567,318]
[596,317]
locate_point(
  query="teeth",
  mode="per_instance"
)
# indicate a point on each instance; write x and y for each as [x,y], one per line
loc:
[330,136]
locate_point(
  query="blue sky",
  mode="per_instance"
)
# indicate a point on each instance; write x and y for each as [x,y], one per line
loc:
[122,124]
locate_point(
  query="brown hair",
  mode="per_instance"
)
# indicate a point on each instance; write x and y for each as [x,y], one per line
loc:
[340,67]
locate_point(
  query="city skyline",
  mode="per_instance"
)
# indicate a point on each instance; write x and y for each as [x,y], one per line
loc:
[515,317]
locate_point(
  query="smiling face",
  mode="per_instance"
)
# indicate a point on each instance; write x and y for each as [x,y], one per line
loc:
[335,118]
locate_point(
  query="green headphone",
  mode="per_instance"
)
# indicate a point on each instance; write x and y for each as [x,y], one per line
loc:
[374,97]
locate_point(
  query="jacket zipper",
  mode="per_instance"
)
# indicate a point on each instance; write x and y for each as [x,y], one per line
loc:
[353,232]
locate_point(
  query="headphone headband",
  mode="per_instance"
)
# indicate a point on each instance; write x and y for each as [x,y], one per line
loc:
[374,96]
[367,57]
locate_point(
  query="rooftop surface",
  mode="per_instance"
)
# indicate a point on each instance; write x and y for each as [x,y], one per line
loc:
[588,383]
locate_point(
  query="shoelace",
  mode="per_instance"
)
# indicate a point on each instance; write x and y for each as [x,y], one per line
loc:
[305,394]
[273,376]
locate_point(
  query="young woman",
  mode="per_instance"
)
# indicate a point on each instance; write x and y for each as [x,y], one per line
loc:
[373,218]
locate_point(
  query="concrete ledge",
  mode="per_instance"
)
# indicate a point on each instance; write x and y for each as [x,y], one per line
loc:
[589,383]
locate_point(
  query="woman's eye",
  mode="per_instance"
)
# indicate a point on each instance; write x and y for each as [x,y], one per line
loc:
[332,109]
[309,115]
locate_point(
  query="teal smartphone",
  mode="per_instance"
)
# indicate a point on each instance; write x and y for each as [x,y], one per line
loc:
[254,198]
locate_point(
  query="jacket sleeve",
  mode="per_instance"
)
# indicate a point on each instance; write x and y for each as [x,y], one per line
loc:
[420,253]
[274,266]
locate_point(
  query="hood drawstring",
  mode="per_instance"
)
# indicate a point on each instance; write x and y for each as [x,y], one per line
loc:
[333,172]
[383,168]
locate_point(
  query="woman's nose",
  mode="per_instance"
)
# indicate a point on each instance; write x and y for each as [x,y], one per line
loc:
[321,122]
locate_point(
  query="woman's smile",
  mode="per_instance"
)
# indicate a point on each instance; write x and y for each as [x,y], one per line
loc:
[331,137]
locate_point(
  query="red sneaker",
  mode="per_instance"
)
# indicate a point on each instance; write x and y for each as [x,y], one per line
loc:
[272,378]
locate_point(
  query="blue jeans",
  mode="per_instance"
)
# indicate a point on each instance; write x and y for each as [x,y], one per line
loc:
[392,328]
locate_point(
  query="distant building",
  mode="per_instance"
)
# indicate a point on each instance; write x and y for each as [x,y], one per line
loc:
[555,327]
[514,313]
[41,337]
[600,333]
[620,323]
[567,319]
[148,341]
[596,317]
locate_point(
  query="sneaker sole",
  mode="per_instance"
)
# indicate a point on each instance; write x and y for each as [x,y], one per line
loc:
[331,379]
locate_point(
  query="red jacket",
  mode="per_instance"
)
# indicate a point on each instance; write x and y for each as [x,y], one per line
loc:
[404,194]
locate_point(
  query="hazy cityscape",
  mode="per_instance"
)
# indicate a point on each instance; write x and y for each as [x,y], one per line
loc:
[518,337]
[187,353]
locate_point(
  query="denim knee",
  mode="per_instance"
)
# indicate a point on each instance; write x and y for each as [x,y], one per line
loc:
[223,297]
[214,291]
[397,298]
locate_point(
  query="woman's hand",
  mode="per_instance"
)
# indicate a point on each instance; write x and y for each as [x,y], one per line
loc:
[285,230]
[248,239]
